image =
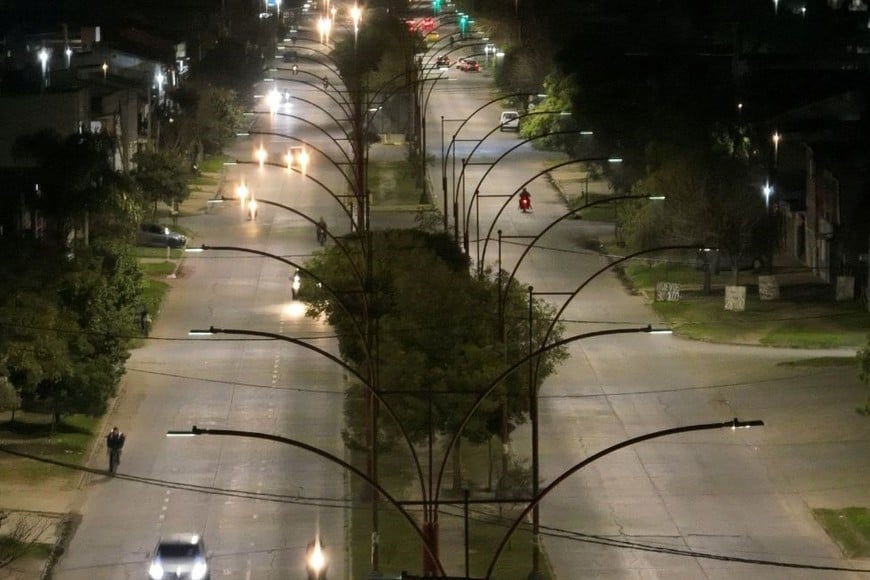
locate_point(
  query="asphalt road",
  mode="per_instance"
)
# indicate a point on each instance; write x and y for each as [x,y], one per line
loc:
[720,495]
[716,504]
[229,382]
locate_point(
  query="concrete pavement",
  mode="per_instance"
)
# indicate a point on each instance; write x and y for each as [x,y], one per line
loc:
[644,510]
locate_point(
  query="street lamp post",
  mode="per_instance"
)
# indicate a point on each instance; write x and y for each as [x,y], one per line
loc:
[494,384]
[733,424]
[194,431]
[533,420]
[466,161]
[475,198]
[538,174]
[533,370]
[451,147]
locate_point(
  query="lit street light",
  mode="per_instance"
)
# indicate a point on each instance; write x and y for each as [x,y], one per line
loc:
[733,425]
[160,79]
[355,16]
[193,431]
[43,55]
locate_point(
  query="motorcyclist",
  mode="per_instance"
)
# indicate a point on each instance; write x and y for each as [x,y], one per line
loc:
[252,209]
[297,283]
[525,200]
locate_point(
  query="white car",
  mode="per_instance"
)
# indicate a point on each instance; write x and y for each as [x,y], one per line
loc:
[510,121]
[179,557]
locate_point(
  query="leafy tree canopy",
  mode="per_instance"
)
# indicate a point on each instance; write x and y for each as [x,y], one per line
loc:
[162,176]
[447,348]
[76,177]
[64,323]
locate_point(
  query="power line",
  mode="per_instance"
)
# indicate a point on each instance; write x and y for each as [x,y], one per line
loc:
[479,516]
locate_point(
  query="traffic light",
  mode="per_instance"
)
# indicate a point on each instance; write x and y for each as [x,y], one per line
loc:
[436,6]
[463,24]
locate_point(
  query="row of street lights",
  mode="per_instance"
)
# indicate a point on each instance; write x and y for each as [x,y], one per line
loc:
[431,493]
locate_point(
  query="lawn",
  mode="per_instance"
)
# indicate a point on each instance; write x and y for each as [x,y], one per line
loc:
[805,315]
[401,548]
[850,528]
[393,183]
[797,323]
[34,434]
[145,252]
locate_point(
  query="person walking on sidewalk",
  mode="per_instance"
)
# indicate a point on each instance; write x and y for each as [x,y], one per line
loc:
[144,322]
[114,443]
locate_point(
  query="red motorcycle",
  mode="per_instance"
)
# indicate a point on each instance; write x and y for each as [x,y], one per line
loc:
[525,201]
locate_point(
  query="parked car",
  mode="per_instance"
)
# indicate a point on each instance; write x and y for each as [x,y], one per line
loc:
[443,60]
[159,236]
[468,65]
[179,556]
[720,261]
[509,121]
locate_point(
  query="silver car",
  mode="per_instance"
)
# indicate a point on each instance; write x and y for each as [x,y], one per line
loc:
[159,236]
[179,557]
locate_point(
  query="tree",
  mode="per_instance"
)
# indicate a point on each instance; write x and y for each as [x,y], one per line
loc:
[33,346]
[219,116]
[76,179]
[230,67]
[9,398]
[433,356]
[162,176]
[712,199]
[206,118]
[65,324]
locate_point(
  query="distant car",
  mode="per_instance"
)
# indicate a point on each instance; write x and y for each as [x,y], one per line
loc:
[509,121]
[178,556]
[720,261]
[159,236]
[469,65]
[443,61]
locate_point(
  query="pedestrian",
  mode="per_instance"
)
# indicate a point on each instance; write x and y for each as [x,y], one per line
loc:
[321,231]
[144,321]
[114,443]
[115,439]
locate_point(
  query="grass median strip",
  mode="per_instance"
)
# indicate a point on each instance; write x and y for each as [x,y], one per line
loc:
[849,527]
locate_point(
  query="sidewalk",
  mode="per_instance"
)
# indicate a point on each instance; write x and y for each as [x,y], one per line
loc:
[48,505]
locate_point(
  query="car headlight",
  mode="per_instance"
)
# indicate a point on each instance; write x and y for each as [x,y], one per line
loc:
[199,570]
[155,571]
